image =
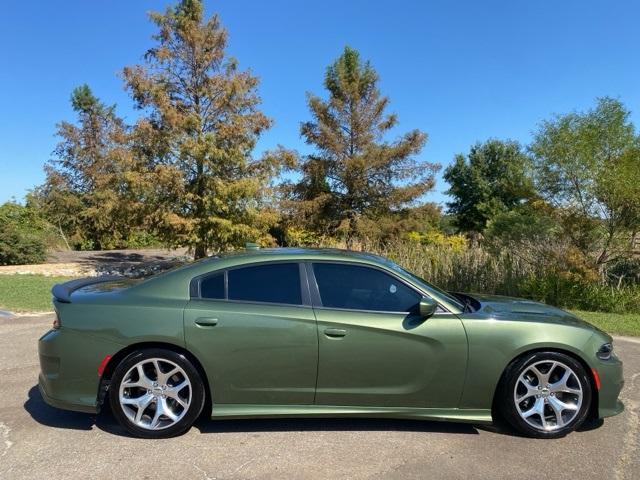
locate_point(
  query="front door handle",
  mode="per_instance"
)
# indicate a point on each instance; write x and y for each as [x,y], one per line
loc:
[335,332]
[206,321]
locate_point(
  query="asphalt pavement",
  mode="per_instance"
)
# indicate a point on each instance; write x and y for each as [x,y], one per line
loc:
[40,442]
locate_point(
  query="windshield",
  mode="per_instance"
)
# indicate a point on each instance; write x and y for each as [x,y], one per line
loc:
[428,286]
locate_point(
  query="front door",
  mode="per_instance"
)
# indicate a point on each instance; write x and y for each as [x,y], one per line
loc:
[255,335]
[375,350]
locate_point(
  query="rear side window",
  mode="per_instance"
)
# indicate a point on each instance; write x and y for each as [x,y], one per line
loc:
[213,287]
[363,288]
[272,283]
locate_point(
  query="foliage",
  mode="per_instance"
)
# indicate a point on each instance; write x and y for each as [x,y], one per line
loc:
[436,238]
[587,166]
[24,234]
[554,275]
[200,125]
[491,180]
[567,291]
[532,222]
[355,177]
[91,184]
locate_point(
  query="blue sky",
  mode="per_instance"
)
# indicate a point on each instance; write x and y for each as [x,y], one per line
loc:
[463,71]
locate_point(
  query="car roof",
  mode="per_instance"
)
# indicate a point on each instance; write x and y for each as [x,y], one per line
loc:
[291,253]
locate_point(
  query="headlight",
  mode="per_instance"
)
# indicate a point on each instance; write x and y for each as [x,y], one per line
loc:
[605,351]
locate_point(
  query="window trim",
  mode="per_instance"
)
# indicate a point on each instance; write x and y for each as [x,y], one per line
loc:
[316,299]
[196,294]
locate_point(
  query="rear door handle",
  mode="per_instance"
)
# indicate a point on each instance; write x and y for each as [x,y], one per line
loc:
[206,321]
[335,332]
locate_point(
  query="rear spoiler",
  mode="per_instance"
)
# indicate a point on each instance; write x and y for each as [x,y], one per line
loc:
[62,291]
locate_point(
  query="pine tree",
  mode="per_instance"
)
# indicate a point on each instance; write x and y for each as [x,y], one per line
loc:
[88,189]
[200,126]
[356,176]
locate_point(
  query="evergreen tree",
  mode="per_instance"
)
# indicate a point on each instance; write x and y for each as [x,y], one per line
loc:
[200,126]
[87,192]
[355,176]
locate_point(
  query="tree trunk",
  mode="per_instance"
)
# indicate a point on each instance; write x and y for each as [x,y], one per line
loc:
[200,250]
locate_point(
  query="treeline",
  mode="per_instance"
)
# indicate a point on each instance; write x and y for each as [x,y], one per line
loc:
[564,209]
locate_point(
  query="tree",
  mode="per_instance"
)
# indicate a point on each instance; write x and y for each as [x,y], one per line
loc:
[88,181]
[493,178]
[201,124]
[587,165]
[355,176]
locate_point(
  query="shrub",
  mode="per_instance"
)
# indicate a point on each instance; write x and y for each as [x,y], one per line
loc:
[23,235]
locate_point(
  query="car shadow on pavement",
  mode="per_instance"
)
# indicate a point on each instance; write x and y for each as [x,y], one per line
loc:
[54,417]
[331,425]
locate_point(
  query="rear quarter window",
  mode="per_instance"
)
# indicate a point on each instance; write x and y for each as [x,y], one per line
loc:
[271,283]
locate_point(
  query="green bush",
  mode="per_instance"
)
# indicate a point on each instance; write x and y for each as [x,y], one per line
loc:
[23,235]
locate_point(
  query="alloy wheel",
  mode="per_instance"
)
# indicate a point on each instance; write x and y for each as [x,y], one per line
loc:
[155,393]
[548,395]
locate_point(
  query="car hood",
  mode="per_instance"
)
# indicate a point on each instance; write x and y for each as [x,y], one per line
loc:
[512,308]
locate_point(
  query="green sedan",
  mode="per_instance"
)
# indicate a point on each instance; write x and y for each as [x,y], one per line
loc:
[303,332]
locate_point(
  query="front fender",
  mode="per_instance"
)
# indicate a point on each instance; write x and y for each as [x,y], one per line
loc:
[494,344]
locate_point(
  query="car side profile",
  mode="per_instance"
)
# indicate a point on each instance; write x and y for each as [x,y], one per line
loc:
[319,332]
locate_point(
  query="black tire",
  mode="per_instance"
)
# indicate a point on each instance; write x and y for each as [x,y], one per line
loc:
[509,409]
[188,415]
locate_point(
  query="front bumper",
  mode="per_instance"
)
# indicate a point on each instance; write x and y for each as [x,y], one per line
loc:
[612,381]
[68,368]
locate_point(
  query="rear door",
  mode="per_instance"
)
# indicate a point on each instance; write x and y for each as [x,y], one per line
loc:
[374,348]
[255,331]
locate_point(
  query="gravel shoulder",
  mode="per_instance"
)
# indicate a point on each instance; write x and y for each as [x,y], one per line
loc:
[37,441]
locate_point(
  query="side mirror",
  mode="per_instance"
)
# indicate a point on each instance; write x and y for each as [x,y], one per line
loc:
[428,307]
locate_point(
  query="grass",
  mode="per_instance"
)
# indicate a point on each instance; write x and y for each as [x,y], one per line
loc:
[32,293]
[613,323]
[27,293]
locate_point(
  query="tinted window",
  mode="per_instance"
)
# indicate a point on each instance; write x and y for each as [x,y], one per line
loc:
[363,288]
[213,286]
[274,283]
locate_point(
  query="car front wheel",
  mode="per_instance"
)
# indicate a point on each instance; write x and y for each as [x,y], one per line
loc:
[156,393]
[546,394]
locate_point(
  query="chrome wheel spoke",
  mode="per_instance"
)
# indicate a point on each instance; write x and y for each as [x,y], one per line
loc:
[163,378]
[536,409]
[542,378]
[142,406]
[561,385]
[155,421]
[531,391]
[155,403]
[167,411]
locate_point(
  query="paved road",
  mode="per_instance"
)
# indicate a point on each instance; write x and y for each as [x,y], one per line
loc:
[37,441]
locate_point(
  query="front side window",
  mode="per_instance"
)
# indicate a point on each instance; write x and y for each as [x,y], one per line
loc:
[363,288]
[272,283]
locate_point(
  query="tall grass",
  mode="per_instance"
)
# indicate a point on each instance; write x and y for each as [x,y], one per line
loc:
[507,271]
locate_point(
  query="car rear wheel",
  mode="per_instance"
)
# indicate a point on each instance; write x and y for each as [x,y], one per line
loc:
[156,393]
[546,394]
